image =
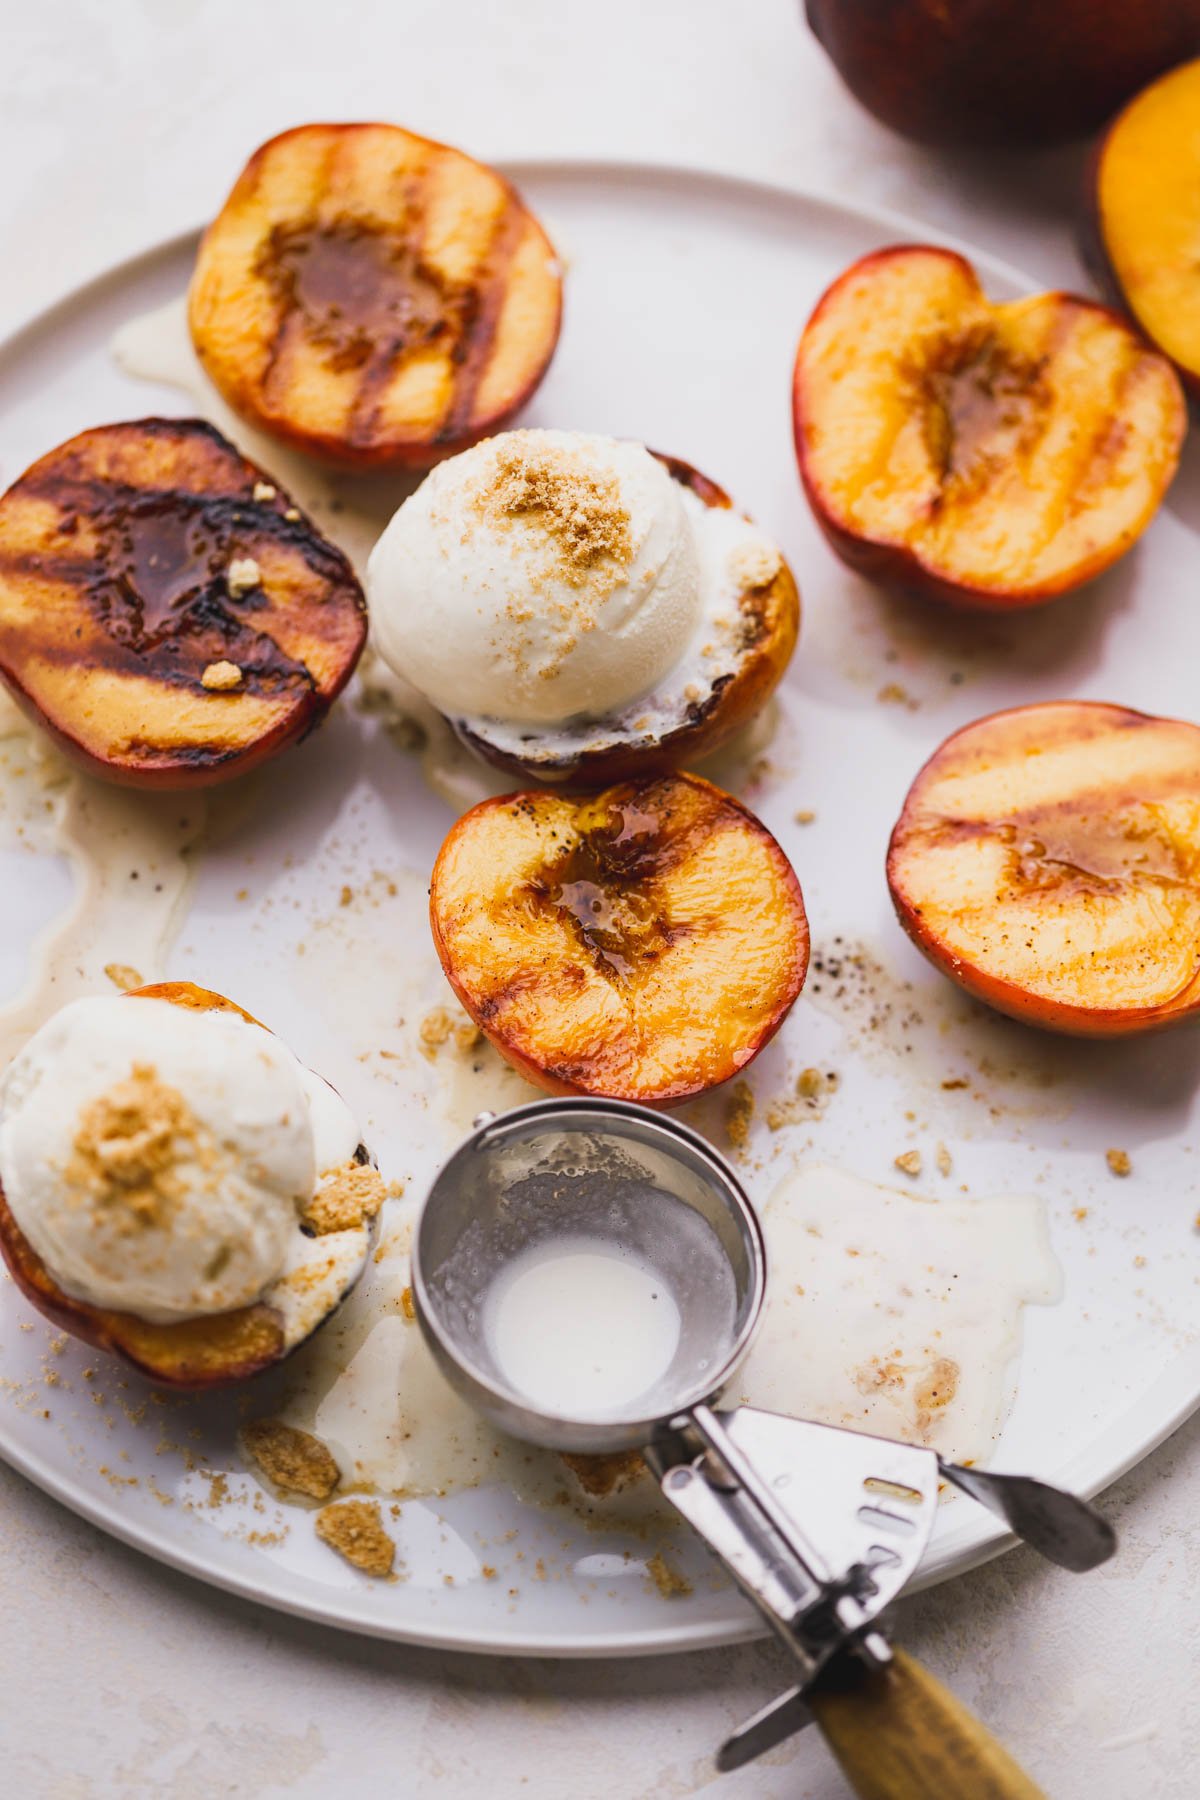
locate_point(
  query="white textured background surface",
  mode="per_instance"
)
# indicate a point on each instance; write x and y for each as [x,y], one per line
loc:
[122,122]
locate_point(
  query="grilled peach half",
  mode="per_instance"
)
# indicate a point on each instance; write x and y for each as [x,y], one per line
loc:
[1048,861]
[1145,213]
[374,298]
[677,724]
[991,456]
[166,613]
[643,943]
[219,1349]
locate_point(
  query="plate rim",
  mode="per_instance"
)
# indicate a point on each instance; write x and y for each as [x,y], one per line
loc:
[1180,1393]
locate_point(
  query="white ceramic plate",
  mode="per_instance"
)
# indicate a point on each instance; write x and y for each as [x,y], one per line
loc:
[686,293]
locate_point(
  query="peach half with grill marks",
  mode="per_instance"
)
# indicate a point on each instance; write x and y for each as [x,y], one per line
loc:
[993,456]
[166,612]
[374,298]
[643,943]
[1048,861]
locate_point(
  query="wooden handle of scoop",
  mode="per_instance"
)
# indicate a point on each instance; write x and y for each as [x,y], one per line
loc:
[900,1735]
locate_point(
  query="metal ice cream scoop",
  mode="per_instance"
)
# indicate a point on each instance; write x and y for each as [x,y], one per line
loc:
[820,1527]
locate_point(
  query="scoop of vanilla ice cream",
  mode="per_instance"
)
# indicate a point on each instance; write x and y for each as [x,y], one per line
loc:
[155,1156]
[539,577]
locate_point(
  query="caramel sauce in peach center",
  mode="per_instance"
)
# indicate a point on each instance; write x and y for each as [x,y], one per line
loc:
[1100,853]
[603,883]
[978,401]
[160,557]
[357,290]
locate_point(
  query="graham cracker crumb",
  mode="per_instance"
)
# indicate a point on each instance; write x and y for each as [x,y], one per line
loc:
[1118,1161]
[754,566]
[291,1458]
[346,896]
[739,1111]
[407,1306]
[578,508]
[123,976]
[242,575]
[440,1025]
[125,1149]
[602,1475]
[346,1199]
[669,1582]
[805,816]
[221,677]
[944,1164]
[354,1528]
[909,1161]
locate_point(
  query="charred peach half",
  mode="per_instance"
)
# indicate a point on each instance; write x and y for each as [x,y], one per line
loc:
[643,943]
[166,613]
[1145,199]
[373,297]
[333,1243]
[1048,861]
[992,456]
[685,719]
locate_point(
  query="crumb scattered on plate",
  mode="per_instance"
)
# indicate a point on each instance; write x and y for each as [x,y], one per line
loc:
[669,1582]
[1118,1161]
[291,1458]
[739,1111]
[348,1197]
[909,1161]
[354,1528]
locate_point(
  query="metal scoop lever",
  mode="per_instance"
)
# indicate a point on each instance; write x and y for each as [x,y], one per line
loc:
[1060,1526]
[822,1528]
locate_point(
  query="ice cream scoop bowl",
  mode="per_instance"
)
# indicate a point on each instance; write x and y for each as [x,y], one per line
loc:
[589,1275]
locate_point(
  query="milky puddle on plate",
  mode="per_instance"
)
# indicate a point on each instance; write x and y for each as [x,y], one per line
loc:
[886,1311]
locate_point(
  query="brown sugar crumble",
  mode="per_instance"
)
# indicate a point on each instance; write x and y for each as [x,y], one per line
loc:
[599,1476]
[123,976]
[221,677]
[739,1111]
[579,509]
[242,576]
[354,1528]
[669,1582]
[125,1149]
[291,1458]
[347,1198]
[440,1025]
[1118,1161]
